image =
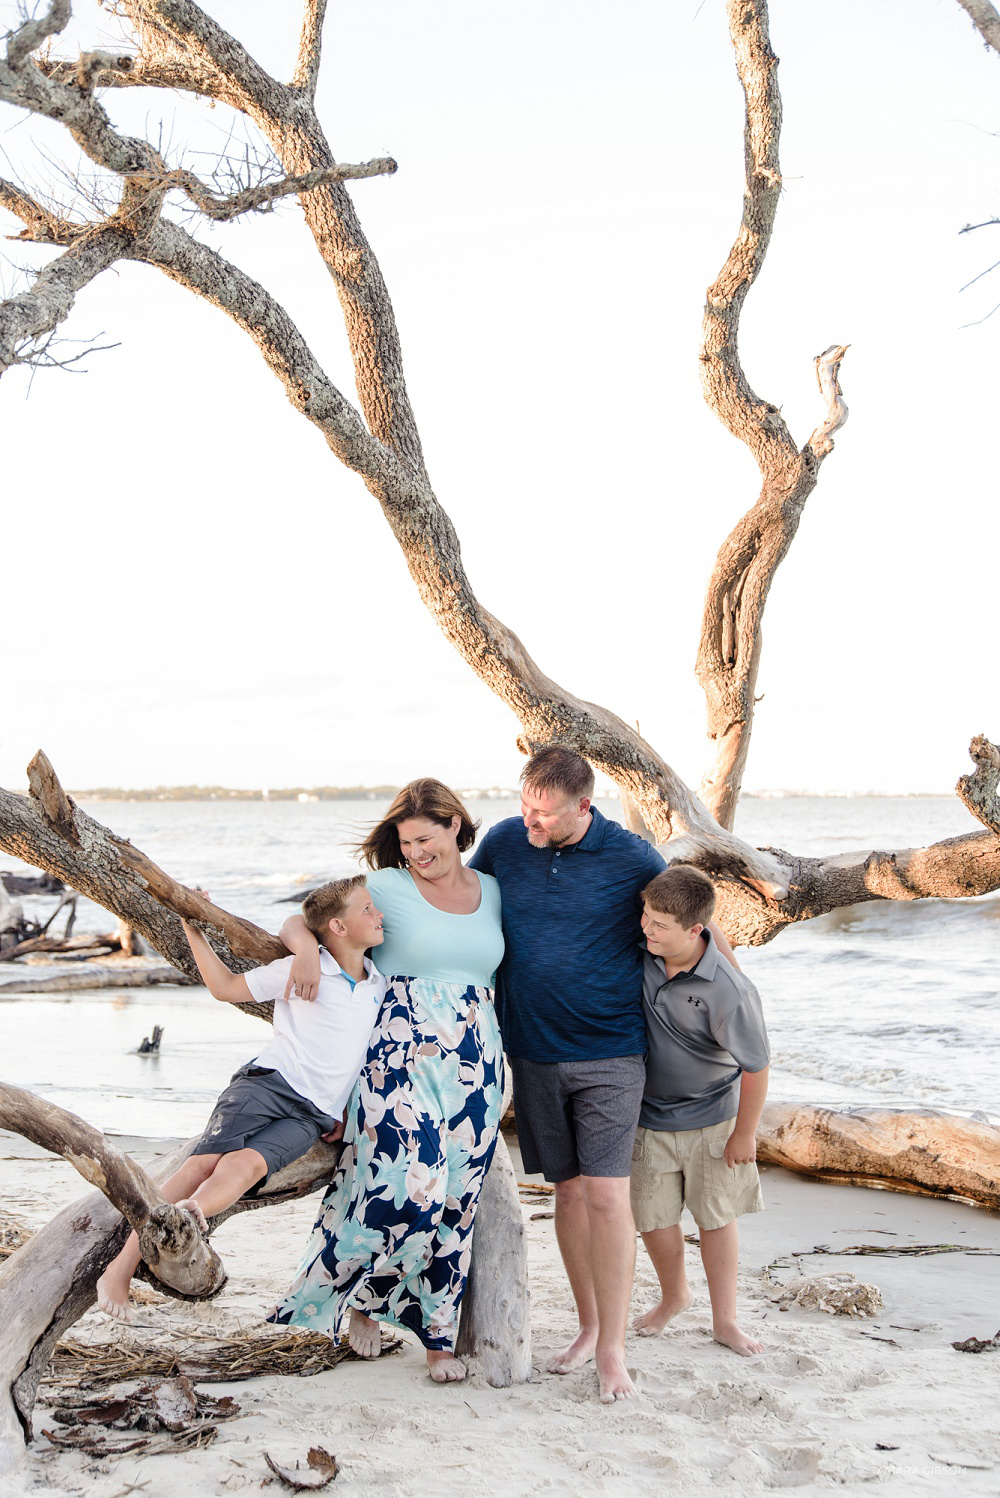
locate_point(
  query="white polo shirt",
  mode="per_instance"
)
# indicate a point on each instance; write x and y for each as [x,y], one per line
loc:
[319,1047]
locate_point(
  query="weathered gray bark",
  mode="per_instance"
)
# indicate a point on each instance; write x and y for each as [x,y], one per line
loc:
[985,19]
[730,645]
[926,1153]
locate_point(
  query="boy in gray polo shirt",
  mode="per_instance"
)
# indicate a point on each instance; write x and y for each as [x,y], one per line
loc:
[706,1081]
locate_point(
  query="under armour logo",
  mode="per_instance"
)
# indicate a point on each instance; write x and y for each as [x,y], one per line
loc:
[695,1002]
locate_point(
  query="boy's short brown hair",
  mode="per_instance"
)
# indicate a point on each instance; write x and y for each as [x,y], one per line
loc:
[324,904]
[683,892]
[559,769]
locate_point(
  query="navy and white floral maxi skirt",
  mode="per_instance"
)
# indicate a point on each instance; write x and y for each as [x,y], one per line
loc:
[394,1232]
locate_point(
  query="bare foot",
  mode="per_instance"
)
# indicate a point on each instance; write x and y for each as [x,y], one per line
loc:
[190,1205]
[110,1302]
[444,1368]
[657,1317]
[364,1335]
[730,1335]
[576,1355]
[613,1378]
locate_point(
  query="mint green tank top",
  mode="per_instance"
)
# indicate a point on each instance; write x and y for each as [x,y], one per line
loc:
[423,942]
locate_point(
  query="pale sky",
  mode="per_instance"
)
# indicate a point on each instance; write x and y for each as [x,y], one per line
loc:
[195,590]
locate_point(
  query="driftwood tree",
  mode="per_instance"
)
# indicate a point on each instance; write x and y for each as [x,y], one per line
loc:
[178,46]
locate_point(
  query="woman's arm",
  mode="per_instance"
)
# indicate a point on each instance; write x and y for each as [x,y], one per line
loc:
[303,980]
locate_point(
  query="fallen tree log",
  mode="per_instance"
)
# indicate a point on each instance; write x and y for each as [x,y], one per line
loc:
[50,1281]
[925,1153]
[96,977]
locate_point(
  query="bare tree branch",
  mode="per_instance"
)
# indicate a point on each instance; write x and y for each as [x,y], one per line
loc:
[828,379]
[986,20]
[730,645]
[118,877]
[173,32]
[28,319]
[306,73]
[980,791]
[252,198]
[32,33]
[172,1244]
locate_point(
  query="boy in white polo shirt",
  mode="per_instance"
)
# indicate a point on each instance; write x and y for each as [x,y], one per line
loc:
[706,1081]
[294,1091]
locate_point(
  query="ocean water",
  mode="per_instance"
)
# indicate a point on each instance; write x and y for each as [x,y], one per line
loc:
[884,1004]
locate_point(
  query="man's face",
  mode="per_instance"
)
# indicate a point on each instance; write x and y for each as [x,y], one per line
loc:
[666,937]
[553,819]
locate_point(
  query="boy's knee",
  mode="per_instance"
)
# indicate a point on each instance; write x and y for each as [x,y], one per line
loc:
[248,1164]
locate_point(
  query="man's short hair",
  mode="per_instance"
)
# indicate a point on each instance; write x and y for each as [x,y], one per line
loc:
[559,769]
[683,892]
[329,901]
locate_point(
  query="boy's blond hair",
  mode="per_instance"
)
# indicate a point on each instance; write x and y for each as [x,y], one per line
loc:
[324,904]
[683,892]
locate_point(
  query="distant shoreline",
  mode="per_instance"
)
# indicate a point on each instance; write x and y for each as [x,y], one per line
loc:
[481,793]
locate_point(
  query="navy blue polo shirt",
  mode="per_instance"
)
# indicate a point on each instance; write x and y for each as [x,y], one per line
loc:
[570,985]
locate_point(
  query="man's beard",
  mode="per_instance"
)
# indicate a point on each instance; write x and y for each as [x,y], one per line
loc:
[547,840]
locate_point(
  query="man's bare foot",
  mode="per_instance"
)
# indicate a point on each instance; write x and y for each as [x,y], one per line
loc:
[730,1335]
[364,1335]
[657,1317]
[576,1355]
[613,1378]
[109,1301]
[445,1368]
[190,1205]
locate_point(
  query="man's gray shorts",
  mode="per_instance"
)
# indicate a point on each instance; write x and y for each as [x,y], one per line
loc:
[260,1111]
[578,1118]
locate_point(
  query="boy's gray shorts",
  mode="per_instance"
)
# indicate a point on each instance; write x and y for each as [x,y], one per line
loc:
[259,1110]
[577,1118]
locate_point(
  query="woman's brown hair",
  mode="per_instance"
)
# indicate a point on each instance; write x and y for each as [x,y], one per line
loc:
[421,798]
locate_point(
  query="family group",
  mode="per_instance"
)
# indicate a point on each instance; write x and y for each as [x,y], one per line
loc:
[637,1046]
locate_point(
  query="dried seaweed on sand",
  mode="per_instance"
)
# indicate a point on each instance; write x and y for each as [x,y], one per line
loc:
[201,1359]
[167,1416]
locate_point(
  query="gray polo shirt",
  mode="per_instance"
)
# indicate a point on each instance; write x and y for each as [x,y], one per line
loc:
[705,1028]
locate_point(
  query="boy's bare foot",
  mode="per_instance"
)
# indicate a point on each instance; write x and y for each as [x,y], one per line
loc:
[445,1368]
[730,1335]
[613,1378]
[576,1355]
[364,1335]
[657,1317]
[108,1301]
[190,1205]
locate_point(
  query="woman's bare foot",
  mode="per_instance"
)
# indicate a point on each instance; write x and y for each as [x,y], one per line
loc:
[658,1316]
[613,1378]
[190,1205]
[113,1300]
[364,1335]
[576,1355]
[730,1335]
[445,1368]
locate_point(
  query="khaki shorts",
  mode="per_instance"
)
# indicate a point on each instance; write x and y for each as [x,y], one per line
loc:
[687,1169]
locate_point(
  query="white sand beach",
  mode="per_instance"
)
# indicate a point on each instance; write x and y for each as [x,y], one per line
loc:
[849,1405]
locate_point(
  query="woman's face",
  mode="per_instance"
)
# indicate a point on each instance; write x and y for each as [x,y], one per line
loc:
[429,848]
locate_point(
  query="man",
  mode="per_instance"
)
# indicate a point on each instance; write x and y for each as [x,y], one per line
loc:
[570,1004]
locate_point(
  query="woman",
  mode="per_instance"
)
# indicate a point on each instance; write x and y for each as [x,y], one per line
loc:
[394,1234]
